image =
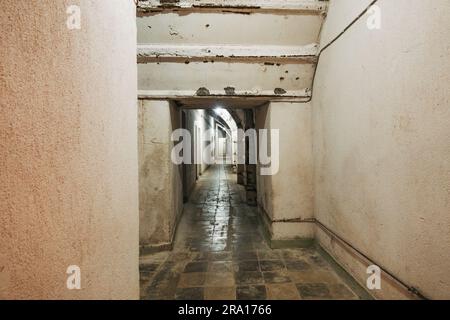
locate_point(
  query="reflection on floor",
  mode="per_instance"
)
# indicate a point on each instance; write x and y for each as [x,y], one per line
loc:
[220,254]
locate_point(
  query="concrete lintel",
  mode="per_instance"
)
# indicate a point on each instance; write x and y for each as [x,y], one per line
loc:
[295,96]
[151,7]
[247,54]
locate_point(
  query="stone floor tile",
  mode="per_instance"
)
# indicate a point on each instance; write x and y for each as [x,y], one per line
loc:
[268,255]
[319,262]
[189,294]
[200,256]
[148,267]
[245,265]
[248,277]
[154,257]
[282,291]
[271,265]
[192,279]
[220,256]
[244,255]
[313,276]
[220,293]
[178,256]
[146,274]
[199,266]
[220,266]
[340,291]
[297,265]
[314,291]
[276,277]
[293,254]
[252,292]
[222,279]
[220,252]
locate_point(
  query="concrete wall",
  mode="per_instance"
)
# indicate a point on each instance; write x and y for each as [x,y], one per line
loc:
[161,187]
[293,78]
[381,142]
[205,122]
[68,150]
[215,27]
[160,181]
[288,194]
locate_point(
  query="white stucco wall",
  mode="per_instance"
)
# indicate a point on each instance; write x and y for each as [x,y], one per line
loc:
[160,180]
[289,193]
[381,142]
[197,119]
[219,28]
[68,150]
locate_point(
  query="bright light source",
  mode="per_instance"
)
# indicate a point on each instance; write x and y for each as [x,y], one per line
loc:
[218,110]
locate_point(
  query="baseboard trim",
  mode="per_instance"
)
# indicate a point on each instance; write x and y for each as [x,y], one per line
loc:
[267,230]
[265,225]
[168,246]
[349,280]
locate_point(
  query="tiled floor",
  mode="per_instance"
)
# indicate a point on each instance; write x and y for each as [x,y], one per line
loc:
[220,254]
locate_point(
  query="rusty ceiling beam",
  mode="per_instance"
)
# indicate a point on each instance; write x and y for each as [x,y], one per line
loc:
[229,53]
[203,93]
[309,7]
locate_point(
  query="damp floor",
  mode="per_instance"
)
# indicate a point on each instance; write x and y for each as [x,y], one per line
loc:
[220,254]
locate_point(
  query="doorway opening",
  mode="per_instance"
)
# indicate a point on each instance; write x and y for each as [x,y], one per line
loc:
[218,246]
[214,139]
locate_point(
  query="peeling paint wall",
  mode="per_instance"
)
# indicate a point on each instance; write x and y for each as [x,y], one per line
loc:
[196,119]
[68,150]
[219,28]
[381,143]
[258,54]
[253,78]
[288,194]
[160,181]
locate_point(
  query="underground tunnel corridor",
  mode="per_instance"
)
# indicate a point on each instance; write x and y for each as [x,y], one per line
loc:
[349,193]
[220,253]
